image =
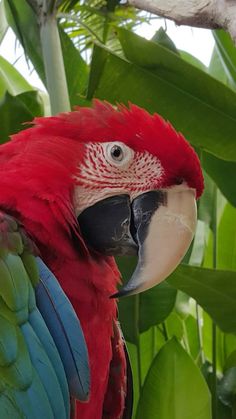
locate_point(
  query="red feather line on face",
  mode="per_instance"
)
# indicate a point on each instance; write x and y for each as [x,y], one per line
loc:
[135,127]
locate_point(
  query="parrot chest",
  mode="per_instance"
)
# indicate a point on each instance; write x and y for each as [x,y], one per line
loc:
[88,286]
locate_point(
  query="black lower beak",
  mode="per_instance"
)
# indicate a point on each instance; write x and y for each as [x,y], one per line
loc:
[158,226]
[116,227]
[106,226]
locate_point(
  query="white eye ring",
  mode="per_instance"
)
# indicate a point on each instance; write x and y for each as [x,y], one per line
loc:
[119,154]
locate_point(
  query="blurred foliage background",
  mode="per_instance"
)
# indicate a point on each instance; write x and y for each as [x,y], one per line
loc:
[181,334]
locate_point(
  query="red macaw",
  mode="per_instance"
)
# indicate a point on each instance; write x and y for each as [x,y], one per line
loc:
[82,187]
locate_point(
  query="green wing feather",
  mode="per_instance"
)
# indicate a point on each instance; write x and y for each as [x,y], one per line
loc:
[8,408]
[32,379]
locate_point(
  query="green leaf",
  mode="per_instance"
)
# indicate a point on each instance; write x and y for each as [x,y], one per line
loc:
[174,326]
[98,61]
[207,342]
[23,21]
[214,290]
[75,67]
[33,102]
[149,344]
[138,313]
[198,248]
[197,104]
[216,68]
[15,110]
[11,79]
[161,38]
[227,53]
[3,21]
[207,336]
[167,392]
[223,173]
[208,256]
[230,361]
[230,350]
[192,336]
[206,203]
[193,60]
[226,258]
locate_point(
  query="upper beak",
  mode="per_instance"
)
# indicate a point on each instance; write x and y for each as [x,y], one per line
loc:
[158,225]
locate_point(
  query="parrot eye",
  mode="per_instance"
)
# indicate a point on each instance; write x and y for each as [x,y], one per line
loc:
[117,153]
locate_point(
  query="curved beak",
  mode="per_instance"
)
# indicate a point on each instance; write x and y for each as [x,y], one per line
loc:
[163,236]
[158,226]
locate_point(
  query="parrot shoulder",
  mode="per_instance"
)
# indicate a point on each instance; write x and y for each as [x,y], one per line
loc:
[43,355]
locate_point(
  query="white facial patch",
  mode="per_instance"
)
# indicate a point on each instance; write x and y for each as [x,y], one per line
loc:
[114,168]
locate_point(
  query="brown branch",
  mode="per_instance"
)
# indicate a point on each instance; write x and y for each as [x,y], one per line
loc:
[210,14]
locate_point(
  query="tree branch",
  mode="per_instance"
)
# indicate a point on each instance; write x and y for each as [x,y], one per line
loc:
[210,14]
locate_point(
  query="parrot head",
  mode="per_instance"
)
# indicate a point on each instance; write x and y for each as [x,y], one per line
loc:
[131,179]
[136,190]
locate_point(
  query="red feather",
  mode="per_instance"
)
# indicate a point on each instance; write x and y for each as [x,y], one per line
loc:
[37,170]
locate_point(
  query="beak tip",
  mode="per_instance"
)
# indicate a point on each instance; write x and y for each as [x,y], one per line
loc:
[122,293]
[116,295]
[125,292]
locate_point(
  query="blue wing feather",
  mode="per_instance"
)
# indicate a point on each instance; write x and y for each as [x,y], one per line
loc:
[45,371]
[45,338]
[64,326]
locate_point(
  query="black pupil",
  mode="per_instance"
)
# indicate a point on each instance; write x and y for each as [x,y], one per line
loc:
[116,151]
